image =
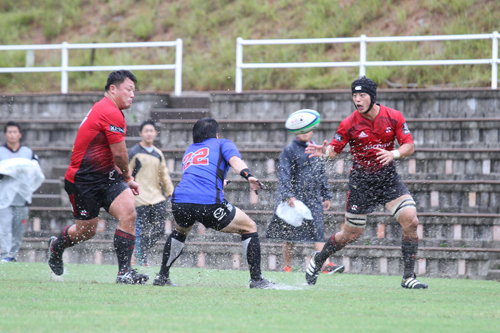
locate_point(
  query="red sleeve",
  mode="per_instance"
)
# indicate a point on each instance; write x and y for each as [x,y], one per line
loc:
[113,125]
[402,131]
[341,138]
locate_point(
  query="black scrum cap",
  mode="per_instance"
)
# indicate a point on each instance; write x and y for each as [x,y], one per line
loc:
[364,84]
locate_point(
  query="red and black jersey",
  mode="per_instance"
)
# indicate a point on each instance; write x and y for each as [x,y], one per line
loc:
[91,159]
[365,135]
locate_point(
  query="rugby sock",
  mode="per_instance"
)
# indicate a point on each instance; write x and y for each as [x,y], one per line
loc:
[409,248]
[329,248]
[63,241]
[173,249]
[251,250]
[124,247]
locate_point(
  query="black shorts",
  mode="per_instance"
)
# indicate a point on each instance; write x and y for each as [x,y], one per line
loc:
[87,199]
[366,191]
[217,216]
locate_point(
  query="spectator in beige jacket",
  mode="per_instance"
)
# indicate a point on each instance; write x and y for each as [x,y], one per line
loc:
[150,171]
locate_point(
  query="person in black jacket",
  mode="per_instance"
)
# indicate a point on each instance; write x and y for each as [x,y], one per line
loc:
[302,178]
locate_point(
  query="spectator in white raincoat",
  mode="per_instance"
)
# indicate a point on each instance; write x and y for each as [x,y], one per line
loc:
[20,176]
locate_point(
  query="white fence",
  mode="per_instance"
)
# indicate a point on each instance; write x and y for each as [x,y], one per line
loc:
[64,68]
[363,63]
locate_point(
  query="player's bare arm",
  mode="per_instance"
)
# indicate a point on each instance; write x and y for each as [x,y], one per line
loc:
[387,156]
[238,166]
[120,156]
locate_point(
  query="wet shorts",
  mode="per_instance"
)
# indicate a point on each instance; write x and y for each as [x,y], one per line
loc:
[217,216]
[87,199]
[366,191]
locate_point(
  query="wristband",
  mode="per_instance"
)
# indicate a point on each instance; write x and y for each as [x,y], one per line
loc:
[245,173]
[326,155]
[129,179]
[396,154]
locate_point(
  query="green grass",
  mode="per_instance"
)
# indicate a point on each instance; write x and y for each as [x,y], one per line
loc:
[219,300]
[209,29]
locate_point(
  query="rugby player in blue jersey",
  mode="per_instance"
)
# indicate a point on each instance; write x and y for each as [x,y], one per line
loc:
[200,197]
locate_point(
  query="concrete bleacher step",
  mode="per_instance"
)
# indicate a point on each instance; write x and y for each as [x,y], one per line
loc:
[49,186]
[472,134]
[201,101]
[435,228]
[493,274]
[58,171]
[433,133]
[47,200]
[131,141]
[195,114]
[425,163]
[452,245]
[472,196]
[451,196]
[358,259]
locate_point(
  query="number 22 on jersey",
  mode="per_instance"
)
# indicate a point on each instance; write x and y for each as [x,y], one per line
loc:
[199,157]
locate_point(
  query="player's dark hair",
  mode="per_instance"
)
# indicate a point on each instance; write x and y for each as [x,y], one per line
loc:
[147,122]
[205,128]
[117,77]
[12,123]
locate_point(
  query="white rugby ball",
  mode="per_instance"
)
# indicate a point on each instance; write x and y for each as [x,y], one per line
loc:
[303,121]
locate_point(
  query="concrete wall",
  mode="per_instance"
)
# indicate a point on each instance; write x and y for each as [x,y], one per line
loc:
[264,105]
[71,106]
[454,176]
[338,104]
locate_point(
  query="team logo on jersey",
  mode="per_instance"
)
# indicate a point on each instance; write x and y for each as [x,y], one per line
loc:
[83,212]
[338,137]
[388,130]
[113,128]
[362,135]
[219,213]
[406,130]
[354,207]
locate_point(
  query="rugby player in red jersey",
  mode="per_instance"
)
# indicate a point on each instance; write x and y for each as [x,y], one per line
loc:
[370,131]
[99,176]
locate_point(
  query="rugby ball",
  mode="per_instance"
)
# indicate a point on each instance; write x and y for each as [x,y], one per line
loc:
[303,121]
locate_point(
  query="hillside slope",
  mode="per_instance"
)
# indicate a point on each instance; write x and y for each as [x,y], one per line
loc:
[209,29]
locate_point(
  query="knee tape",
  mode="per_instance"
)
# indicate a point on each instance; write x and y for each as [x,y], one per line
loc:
[401,205]
[356,220]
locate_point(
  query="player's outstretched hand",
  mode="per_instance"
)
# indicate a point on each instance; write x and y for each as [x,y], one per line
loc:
[384,156]
[316,150]
[134,187]
[255,184]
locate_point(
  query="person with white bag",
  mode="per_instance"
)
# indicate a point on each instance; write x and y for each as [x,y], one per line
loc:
[20,176]
[303,195]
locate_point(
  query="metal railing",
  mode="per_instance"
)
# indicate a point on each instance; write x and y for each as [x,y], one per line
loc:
[65,68]
[363,63]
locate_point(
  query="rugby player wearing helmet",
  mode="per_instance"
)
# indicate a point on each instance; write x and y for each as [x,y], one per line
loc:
[370,131]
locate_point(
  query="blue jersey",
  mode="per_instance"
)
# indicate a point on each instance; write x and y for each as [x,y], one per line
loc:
[204,168]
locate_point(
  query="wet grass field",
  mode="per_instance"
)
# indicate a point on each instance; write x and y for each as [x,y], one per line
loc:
[219,300]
